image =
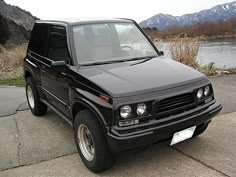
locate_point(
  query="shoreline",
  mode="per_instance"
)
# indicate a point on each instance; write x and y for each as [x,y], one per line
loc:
[219,38]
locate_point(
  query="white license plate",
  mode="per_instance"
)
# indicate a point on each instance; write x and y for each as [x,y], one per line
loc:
[182,135]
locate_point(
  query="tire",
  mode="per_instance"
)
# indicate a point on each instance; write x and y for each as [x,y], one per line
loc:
[36,106]
[200,130]
[98,157]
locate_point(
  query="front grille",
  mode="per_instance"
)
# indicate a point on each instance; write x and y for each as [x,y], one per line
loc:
[174,105]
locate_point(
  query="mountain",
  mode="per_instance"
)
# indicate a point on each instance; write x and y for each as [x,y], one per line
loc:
[15,24]
[220,12]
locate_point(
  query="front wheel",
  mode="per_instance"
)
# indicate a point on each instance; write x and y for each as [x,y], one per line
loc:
[91,142]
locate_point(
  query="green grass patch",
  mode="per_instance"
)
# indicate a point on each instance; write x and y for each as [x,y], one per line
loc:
[13,82]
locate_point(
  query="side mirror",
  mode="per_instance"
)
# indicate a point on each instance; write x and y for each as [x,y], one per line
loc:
[161,53]
[59,66]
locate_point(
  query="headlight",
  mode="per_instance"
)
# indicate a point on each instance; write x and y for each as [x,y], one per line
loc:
[125,111]
[200,93]
[207,91]
[141,109]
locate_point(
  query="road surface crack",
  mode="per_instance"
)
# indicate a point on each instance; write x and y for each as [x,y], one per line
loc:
[199,161]
[17,110]
[18,141]
[65,155]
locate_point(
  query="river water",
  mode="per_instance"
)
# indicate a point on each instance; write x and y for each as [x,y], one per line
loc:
[222,53]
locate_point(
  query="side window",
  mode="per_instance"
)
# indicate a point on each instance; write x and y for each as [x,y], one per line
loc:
[38,39]
[57,47]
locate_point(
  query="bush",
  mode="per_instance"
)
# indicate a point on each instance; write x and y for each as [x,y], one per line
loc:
[11,62]
[185,49]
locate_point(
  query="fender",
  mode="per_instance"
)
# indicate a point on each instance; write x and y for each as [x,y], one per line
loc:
[93,108]
[28,69]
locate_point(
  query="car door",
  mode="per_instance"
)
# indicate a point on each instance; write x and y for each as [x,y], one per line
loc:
[54,82]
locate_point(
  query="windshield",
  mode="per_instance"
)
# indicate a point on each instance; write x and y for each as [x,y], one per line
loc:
[110,42]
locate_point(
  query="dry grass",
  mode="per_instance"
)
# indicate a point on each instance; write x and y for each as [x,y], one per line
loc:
[11,62]
[211,69]
[185,49]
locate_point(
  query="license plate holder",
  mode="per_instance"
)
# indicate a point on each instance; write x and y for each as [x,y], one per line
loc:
[182,135]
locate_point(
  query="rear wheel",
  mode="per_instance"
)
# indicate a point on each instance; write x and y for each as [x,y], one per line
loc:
[36,106]
[91,142]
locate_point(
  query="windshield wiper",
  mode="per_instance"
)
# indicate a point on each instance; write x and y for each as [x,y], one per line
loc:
[147,58]
[119,61]
[141,58]
[102,63]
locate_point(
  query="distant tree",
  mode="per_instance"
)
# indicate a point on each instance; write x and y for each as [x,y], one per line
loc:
[4,31]
[154,28]
[148,28]
[208,29]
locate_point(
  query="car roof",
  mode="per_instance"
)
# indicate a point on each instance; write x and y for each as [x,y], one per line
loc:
[74,21]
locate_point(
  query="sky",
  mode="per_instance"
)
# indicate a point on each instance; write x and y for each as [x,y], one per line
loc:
[134,9]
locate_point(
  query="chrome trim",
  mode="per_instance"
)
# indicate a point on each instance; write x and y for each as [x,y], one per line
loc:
[39,60]
[62,102]
[31,63]
[39,55]
[58,112]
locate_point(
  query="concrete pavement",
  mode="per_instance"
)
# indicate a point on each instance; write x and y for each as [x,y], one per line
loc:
[26,139]
[225,91]
[44,146]
[12,99]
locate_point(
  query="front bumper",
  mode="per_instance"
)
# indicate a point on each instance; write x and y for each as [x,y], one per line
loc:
[159,130]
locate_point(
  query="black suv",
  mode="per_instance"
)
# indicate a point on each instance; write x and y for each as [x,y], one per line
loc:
[110,83]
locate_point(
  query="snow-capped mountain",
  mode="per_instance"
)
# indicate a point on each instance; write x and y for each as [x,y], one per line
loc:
[220,12]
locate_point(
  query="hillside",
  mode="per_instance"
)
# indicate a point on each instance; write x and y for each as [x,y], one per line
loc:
[222,12]
[15,24]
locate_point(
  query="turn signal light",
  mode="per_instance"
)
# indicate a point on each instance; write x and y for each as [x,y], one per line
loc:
[128,122]
[104,98]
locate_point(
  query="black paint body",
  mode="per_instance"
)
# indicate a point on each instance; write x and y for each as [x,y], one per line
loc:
[73,88]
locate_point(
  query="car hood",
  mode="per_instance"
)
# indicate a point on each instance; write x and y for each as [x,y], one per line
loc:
[139,77]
